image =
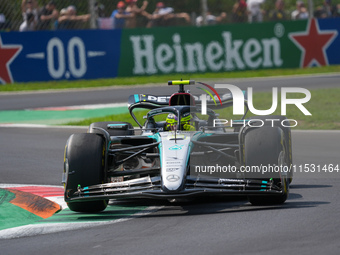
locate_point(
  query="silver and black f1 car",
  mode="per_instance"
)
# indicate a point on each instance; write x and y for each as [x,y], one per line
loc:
[177,153]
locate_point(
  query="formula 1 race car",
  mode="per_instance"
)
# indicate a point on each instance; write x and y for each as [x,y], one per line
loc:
[178,152]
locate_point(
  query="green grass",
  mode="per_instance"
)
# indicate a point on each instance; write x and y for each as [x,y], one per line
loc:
[125,117]
[324,104]
[139,80]
[324,107]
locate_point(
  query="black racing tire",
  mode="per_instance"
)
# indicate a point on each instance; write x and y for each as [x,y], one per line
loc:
[287,136]
[263,146]
[112,132]
[84,166]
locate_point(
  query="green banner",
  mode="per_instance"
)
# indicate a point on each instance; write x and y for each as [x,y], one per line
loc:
[209,49]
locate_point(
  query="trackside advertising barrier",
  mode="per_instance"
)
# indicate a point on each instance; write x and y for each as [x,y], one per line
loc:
[59,55]
[90,54]
[230,47]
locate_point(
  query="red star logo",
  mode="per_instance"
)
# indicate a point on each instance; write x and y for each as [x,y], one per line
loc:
[313,44]
[7,54]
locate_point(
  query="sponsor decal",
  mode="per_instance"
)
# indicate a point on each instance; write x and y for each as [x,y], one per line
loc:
[173,178]
[158,99]
[173,163]
[225,54]
[176,147]
[172,169]
[58,55]
[8,53]
[313,44]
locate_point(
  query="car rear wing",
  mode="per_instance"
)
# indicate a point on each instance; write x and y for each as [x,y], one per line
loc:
[153,102]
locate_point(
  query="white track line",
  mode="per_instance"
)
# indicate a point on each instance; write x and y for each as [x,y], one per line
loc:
[152,85]
[48,228]
[80,107]
[23,125]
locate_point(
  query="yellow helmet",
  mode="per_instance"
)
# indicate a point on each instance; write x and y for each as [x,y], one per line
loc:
[172,120]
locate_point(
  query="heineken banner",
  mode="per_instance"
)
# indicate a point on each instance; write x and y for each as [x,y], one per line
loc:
[91,54]
[230,47]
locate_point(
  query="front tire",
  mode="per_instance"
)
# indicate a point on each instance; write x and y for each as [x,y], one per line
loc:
[265,147]
[84,166]
[287,136]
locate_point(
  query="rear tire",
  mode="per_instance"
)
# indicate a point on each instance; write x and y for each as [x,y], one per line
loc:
[265,146]
[84,166]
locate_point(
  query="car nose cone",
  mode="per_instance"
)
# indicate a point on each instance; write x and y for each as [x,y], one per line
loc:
[172,178]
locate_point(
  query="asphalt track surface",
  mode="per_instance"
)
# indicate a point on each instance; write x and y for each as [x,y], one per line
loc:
[308,223]
[29,100]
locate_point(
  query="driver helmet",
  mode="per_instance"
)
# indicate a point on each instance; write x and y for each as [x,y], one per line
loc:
[172,120]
